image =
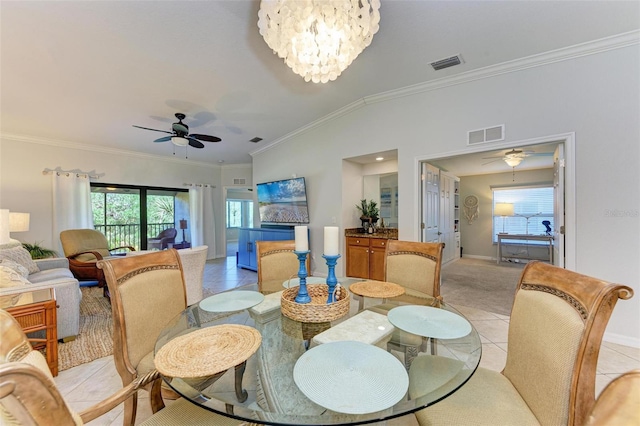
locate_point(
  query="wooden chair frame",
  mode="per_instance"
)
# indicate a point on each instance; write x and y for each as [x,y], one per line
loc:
[267,248]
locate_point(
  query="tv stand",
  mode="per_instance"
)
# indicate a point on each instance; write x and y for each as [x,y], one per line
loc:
[247,238]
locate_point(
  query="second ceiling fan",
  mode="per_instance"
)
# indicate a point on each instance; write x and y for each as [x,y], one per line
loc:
[180,134]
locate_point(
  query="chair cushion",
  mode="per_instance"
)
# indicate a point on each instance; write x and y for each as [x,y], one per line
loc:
[488,398]
[182,412]
[21,256]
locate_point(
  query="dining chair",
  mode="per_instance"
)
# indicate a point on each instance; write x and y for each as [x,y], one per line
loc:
[29,395]
[83,248]
[619,402]
[147,291]
[277,263]
[557,321]
[416,267]
[193,262]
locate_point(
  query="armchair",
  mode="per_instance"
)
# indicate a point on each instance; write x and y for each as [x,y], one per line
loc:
[162,241]
[83,248]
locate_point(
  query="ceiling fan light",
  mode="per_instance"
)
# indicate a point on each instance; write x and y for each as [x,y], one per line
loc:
[513,161]
[179,141]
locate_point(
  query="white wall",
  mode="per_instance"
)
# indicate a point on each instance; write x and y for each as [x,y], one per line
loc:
[24,188]
[584,94]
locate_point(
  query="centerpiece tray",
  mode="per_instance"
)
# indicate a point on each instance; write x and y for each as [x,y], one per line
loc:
[317,310]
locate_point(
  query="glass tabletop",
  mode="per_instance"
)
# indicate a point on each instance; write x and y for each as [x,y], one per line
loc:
[277,389]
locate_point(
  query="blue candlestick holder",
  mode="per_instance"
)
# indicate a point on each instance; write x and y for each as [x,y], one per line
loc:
[303,295]
[331,276]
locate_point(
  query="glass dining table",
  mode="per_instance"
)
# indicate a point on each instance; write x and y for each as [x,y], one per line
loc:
[347,371]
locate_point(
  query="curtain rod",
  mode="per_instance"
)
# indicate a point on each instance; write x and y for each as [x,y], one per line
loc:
[92,174]
[202,185]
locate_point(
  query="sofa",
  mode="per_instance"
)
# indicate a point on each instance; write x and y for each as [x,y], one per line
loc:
[19,274]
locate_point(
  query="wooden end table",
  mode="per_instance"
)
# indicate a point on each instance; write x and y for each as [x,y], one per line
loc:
[36,311]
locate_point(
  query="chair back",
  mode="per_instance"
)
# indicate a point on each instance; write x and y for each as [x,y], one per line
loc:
[147,291]
[277,262]
[619,402]
[28,395]
[193,262]
[415,266]
[80,240]
[168,233]
[556,326]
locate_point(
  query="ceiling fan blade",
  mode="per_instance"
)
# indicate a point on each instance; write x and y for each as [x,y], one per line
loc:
[164,139]
[492,161]
[155,130]
[195,143]
[540,154]
[206,138]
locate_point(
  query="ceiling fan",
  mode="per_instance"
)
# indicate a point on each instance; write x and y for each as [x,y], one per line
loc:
[515,156]
[180,135]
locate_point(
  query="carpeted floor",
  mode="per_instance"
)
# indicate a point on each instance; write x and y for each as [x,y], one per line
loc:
[96,327]
[481,284]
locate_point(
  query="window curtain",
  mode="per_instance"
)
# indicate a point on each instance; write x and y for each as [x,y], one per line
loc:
[203,225]
[71,203]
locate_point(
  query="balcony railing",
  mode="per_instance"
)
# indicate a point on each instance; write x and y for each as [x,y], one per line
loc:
[129,234]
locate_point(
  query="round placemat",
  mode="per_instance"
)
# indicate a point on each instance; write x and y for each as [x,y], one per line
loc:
[351,377]
[429,322]
[207,351]
[231,301]
[377,289]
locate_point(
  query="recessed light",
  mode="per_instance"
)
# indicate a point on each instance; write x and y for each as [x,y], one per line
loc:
[379,158]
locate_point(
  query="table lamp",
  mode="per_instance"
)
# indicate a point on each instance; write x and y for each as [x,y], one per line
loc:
[504,210]
[183,226]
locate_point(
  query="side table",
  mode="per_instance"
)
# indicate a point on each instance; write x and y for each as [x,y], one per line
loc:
[36,311]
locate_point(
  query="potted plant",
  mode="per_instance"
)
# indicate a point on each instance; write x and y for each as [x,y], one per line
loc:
[39,252]
[369,211]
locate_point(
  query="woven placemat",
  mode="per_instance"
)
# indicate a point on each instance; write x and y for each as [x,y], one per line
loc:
[207,351]
[377,289]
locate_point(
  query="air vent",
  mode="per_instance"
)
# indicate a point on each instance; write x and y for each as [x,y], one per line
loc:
[489,134]
[255,140]
[237,181]
[447,62]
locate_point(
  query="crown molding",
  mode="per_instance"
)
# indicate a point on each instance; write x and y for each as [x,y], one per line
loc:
[100,149]
[564,54]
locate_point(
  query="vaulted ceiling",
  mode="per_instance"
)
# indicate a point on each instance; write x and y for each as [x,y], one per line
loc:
[85,72]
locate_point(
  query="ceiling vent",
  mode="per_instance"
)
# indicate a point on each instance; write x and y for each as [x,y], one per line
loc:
[490,134]
[255,140]
[238,181]
[447,62]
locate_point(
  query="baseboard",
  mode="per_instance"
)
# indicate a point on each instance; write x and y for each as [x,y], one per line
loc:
[473,256]
[621,340]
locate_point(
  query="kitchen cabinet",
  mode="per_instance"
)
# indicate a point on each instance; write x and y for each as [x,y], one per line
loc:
[366,257]
[247,238]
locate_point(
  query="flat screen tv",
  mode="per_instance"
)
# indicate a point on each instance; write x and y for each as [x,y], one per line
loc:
[283,201]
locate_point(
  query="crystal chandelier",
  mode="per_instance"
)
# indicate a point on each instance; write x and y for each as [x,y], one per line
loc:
[318,39]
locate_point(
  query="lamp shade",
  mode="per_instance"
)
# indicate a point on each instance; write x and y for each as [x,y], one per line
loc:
[18,222]
[179,141]
[183,223]
[503,209]
[513,160]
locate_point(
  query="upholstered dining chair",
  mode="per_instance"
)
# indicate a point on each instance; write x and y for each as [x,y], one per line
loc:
[557,321]
[83,248]
[277,263]
[193,262]
[29,396]
[162,241]
[619,402]
[416,267]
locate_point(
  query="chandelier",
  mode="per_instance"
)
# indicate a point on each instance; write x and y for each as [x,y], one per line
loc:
[318,39]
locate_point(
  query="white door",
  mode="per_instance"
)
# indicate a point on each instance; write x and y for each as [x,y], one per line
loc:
[558,206]
[430,203]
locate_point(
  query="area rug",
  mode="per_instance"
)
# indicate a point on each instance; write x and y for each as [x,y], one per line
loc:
[480,284]
[95,337]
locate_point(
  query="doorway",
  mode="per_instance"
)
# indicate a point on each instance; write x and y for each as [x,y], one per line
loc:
[238,202]
[460,163]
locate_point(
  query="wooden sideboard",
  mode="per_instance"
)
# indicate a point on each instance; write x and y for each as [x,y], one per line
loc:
[366,253]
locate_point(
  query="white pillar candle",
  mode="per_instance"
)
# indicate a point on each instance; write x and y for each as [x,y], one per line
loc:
[302,240]
[331,246]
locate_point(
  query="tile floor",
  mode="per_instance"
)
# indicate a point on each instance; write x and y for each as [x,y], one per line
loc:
[87,384]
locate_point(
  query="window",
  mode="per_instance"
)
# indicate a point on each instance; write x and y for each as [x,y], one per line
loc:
[239,213]
[531,207]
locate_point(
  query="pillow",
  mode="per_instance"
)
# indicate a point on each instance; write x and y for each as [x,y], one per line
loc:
[21,256]
[10,278]
[15,266]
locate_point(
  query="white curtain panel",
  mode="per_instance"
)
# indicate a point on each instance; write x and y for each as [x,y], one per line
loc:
[203,225]
[71,203]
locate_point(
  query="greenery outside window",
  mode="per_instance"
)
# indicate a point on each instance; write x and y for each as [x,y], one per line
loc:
[239,213]
[531,205]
